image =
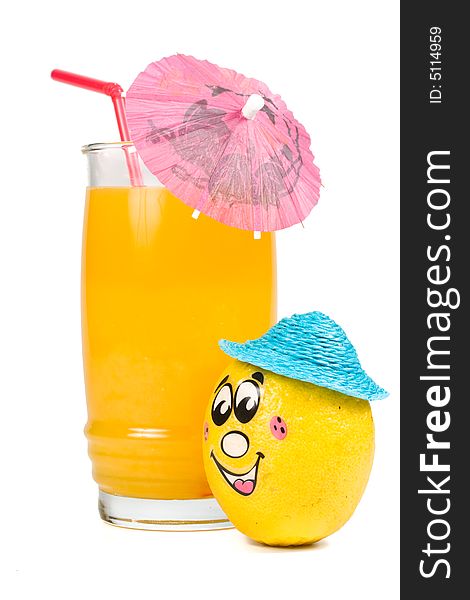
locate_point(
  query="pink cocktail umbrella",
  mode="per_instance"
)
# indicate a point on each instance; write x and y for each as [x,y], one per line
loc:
[223,143]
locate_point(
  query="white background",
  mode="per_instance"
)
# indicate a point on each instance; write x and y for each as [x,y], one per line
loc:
[336,66]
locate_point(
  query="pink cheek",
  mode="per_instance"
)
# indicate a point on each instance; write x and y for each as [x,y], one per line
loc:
[278,427]
[206,431]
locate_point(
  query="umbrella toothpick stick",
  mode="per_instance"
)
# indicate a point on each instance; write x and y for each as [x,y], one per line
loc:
[252,106]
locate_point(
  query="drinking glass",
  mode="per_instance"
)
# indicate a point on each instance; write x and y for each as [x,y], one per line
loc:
[159,289]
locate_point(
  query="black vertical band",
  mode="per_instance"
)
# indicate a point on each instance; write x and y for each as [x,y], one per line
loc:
[435,268]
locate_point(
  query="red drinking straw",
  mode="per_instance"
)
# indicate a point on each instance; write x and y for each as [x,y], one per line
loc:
[116,93]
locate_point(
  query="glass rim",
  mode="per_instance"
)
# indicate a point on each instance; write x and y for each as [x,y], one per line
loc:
[104,146]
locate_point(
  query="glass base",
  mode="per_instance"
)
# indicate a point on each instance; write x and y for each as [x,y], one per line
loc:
[162,515]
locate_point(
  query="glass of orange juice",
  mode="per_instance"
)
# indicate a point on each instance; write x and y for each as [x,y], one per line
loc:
[159,289]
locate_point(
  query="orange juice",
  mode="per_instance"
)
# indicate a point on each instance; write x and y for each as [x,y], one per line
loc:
[159,289]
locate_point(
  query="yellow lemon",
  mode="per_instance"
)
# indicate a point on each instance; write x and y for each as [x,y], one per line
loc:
[287,460]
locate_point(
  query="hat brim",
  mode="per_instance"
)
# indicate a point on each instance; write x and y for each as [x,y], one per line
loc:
[354,383]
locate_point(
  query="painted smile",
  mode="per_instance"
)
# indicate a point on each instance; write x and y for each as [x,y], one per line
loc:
[243,483]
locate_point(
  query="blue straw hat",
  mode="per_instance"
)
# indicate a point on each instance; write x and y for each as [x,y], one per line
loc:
[313,348]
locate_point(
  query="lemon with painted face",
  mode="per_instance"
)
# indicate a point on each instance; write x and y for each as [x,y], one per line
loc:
[288,437]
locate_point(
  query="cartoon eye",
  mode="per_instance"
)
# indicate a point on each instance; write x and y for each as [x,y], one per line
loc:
[222,405]
[247,401]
